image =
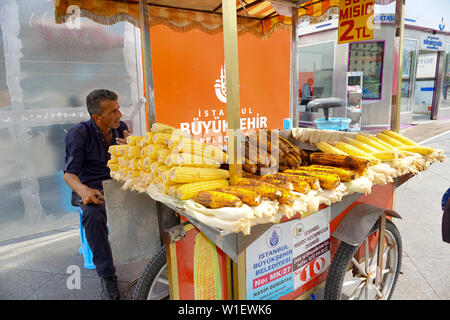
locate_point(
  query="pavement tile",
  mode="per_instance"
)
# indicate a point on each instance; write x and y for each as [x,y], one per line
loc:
[16,284]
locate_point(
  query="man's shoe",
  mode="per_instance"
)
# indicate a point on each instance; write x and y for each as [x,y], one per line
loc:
[109,288]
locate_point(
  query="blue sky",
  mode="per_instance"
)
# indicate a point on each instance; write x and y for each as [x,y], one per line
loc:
[427,13]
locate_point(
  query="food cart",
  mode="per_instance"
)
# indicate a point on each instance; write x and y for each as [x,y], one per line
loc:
[349,246]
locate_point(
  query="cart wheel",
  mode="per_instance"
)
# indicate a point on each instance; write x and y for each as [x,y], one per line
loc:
[153,283]
[354,279]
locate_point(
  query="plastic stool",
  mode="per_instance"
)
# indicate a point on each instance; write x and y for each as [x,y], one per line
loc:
[85,250]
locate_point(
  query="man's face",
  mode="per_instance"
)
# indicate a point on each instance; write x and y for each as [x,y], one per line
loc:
[111,114]
[311,82]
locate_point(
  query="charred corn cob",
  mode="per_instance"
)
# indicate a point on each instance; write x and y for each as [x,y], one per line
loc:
[393,142]
[286,198]
[353,151]
[425,151]
[345,174]
[188,190]
[265,189]
[326,180]
[358,164]
[296,181]
[328,148]
[404,140]
[214,199]
[360,145]
[207,283]
[190,160]
[285,185]
[374,142]
[191,174]
[249,197]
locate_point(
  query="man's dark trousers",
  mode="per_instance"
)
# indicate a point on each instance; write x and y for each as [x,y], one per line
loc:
[94,222]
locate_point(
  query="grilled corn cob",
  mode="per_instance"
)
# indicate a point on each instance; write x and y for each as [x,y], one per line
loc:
[296,180]
[404,140]
[265,189]
[326,180]
[358,164]
[328,148]
[191,174]
[214,199]
[189,190]
[374,142]
[249,197]
[393,142]
[345,174]
[353,151]
[207,283]
[285,185]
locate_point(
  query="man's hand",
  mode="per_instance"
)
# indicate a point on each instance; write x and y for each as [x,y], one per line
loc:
[89,195]
[126,133]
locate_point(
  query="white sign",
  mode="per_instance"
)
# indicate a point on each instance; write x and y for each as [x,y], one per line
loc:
[269,264]
[431,42]
[311,247]
[426,65]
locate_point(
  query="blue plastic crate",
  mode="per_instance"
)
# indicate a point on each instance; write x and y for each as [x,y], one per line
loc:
[332,123]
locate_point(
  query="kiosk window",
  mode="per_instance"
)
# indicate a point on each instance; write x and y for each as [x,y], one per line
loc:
[368,58]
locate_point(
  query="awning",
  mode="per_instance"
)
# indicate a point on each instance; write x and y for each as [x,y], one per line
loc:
[255,16]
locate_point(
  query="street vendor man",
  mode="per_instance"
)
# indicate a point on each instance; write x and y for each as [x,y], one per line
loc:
[85,169]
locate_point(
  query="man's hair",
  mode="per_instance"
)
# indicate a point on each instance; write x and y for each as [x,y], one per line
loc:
[94,98]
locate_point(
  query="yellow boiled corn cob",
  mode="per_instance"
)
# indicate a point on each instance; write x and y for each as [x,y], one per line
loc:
[360,145]
[113,166]
[328,148]
[172,189]
[406,141]
[153,149]
[148,138]
[162,155]
[160,170]
[191,174]
[353,151]
[162,128]
[190,160]
[189,145]
[393,142]
[155,166]
[131,140]
[119,150]
[134,152]
[425,151]
[176,137]
[207,282]
[387,155]
[113,159]
[374,142]
[189,190]
[161,138]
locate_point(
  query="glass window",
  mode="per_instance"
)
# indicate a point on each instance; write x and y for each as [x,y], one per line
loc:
[315,65]
[445,97]
[368,58]
[408,72]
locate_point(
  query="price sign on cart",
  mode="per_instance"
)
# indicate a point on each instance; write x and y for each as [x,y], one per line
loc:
[311,247]
[355,20]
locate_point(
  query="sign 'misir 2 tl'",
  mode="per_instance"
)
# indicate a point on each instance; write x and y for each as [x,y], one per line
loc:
[355,20]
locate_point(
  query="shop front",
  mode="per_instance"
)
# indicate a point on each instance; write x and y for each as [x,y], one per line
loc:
[425,74]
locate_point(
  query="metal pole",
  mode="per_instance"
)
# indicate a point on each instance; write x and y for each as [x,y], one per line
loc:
[232,80]
[398,49]
[379,272]
[293,112]
[147,64]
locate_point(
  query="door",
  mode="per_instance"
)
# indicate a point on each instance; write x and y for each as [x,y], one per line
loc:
[425,85]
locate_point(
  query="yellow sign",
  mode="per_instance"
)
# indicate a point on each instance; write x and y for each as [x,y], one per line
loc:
[355,20]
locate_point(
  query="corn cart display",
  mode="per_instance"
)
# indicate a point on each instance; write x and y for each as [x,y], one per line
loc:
[281,213]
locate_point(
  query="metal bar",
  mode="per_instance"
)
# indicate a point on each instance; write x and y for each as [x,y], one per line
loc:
[147,64]
[294,70]
[381,232]
[232,81]
[248,6]
[398,49]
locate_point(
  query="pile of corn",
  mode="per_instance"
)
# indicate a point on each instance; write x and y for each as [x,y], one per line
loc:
[390,154]
[171,160]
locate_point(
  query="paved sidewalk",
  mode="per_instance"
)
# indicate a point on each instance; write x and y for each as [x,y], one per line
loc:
[37,268]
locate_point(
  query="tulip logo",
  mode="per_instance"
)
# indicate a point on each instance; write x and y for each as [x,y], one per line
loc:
[221,86]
